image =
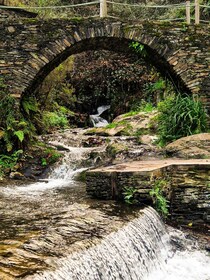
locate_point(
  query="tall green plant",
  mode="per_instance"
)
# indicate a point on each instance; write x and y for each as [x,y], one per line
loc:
[159,200]
[8,162]
[15,131]
[129,195]
[180,116]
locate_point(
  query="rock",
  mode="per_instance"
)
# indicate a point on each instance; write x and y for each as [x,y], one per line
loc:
[207,248]
[93,142]
[137,124]
[194,146]
[148,139]
[16,176]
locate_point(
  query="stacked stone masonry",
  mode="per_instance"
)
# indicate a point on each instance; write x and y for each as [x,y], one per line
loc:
[187,188]
[30,49]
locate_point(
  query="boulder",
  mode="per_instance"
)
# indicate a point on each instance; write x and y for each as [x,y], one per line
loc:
[194,146]
[127,124]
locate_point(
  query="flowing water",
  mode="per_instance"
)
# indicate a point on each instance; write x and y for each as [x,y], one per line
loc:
[97,120]
[52,230]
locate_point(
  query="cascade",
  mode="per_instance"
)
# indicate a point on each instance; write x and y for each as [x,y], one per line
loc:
[140,250]
[96,119]
[130,253]
[81,241]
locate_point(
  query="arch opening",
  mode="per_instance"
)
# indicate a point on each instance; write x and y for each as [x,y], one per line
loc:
[113,45]
[119,45]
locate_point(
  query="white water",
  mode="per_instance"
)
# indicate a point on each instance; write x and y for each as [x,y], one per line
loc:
[97,120]
[185,265]
[141,250]
[62,176]
[129,253]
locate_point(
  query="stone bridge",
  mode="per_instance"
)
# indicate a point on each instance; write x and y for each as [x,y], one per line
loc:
[31,48]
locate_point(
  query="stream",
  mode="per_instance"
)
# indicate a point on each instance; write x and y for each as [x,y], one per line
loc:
[52,230]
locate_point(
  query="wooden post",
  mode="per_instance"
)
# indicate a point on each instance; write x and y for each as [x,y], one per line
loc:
[188,11]
[103,8]
[197,12]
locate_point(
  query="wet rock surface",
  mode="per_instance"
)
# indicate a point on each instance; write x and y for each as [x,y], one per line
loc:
[140,123]
[123,147]
[43,221]
[39,225]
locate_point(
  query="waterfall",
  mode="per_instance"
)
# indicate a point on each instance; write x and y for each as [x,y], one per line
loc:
[60,176]
[140,250]
[97,120]
[130,253]
[61,229]
[69,166]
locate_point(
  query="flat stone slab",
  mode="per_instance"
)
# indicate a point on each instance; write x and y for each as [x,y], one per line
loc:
[186,185]
[149,165]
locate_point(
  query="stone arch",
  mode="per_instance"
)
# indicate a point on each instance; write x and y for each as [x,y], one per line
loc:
[40,66]
[35,47]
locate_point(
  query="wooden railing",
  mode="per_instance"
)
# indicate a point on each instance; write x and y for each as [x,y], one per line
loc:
[104,8]
[188,5]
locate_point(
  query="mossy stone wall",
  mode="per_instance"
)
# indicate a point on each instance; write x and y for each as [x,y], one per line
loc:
[188,189]
[30,49]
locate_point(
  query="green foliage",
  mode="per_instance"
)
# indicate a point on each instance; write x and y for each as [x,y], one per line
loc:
[159,200]
[50,155]
[54,120]
[160,84]
[112,125]
[16,134]
[15,130]
[129,195]
[8,162]
[138,48]
[43,162]
[180,116]
[146,107]
[20,135]
[29,105]
[158,88]
[142,107]
[130,114]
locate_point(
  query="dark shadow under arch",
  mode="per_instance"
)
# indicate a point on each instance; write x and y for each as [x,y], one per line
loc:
[110,44]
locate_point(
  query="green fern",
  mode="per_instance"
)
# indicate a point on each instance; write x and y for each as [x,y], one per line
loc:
[129,195]
[20,135]
[29,104]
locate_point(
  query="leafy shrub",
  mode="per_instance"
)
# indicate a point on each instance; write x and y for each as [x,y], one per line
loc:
[129,195]
[15,130]
[180,116]
[142,107]
[54,120]
[159,200]
[9,162]
[138,48]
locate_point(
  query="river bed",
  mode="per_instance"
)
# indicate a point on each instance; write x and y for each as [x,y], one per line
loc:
[53,230]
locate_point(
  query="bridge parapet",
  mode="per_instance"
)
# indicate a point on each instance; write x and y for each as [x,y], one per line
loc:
[105,8]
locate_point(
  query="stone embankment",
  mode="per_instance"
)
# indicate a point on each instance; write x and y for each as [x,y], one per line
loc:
[187,185]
